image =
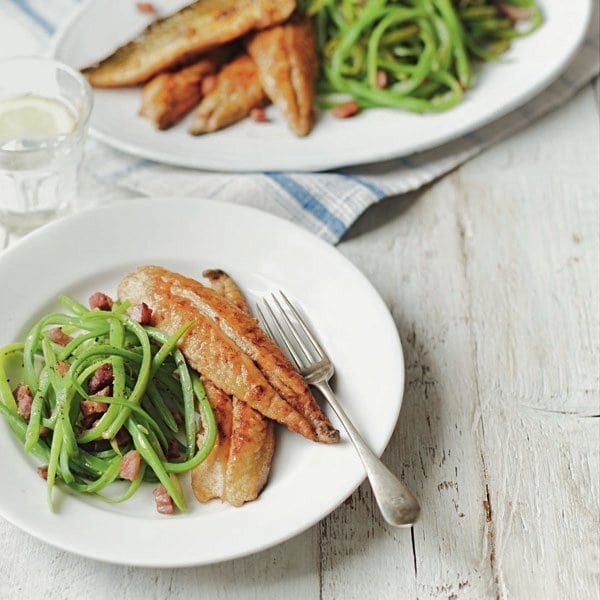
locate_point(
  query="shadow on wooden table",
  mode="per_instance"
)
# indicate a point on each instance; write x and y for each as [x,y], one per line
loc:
[379,214]
[350,530]
[355,533]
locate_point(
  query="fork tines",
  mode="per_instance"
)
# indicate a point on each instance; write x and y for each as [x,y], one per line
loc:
[292,330]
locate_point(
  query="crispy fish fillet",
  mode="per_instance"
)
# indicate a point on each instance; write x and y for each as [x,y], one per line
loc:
[237,92]
[250,454]
[208,478]
[197,28]
[238,466]
[168,97]
[225,286]
[177,300]
[208,349]
[288,65]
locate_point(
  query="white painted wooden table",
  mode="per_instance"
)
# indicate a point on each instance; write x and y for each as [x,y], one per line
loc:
[492,276]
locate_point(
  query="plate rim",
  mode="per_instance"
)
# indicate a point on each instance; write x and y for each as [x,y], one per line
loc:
[292,532]
[205,162]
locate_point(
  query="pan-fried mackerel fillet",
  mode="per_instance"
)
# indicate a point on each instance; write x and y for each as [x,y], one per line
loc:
[250,454]
[238,466]
[172,295]
[207,348]
[197,28]
[225,286]
[288,65]
[208,478]
[168,97]
[237,92]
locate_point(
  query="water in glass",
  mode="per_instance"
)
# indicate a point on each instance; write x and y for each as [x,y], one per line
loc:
[41,142]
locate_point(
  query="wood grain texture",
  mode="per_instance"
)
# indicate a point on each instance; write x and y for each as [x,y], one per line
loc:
[494,287]
[534,241]
[434,447]
[34,570]
[492,276]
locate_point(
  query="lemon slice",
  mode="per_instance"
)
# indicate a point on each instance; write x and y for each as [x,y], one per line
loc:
[31,117]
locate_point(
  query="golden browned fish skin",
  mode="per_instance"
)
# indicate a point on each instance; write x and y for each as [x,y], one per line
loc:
[238,467]
[225,286]
[237,92]
[245,332]
[251,451]
[288,65]
[197,28]
[206,347]
[208,478]
[168,97]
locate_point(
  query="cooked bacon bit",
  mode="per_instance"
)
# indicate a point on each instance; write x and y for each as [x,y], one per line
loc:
[164,502]
[122,437]
[57,336]
[259,115]
[130,465]
[91,407]
[24,401]
[97,446]
[173,449]
[101,301]
[44,431]
[62,368]
[102,378]
[209,84]
[176,415]
[146,8]
[188,30]
[43,472]
[514,13]
[343,111]
[89,422]
[382,79]
[141,313]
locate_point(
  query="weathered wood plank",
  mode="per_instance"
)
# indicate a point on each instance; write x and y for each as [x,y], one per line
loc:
[470,338]
[31,569]
[415,261]
[532,256]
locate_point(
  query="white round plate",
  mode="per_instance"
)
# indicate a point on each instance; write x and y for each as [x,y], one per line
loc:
[91,251]
[374,135]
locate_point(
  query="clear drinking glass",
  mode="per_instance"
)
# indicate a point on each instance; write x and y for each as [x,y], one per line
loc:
[44,111]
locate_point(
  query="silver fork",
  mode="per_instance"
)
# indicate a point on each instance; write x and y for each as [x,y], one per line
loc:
[398,505]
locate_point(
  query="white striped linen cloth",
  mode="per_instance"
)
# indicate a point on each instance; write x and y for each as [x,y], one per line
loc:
[325,203]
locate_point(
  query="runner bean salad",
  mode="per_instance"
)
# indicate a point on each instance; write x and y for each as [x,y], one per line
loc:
[99,391]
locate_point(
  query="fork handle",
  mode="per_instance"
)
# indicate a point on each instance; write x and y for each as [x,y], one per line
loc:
[397,503]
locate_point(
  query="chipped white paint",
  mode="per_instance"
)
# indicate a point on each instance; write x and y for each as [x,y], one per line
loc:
[492,276]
